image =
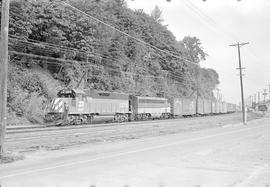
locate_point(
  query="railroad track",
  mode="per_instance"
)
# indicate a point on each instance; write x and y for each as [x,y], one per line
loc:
[52,139]
[25,139]
[40,128]
[49,132]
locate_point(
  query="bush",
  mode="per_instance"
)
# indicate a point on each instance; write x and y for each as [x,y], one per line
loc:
[35,108]
[26,95]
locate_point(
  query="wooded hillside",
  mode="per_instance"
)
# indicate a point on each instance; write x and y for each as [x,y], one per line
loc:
[52,44]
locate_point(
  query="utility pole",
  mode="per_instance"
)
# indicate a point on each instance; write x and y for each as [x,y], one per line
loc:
[259,98]
[239,45]
[217,94]
[197,90]
[264,95]
[269,91]
[3,72]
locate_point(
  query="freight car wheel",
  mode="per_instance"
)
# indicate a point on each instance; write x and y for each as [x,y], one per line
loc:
[117,118]
[145,117]
[90,119]
[123,119]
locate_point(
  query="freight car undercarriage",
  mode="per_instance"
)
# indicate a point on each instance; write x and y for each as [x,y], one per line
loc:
[56,119]
[75,119]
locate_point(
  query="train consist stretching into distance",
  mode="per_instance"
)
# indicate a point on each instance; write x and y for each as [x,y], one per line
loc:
[75,106]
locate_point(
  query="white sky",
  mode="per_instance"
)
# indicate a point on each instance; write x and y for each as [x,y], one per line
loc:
[219,23]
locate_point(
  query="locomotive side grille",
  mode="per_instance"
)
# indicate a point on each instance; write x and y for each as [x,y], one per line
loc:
[80,106]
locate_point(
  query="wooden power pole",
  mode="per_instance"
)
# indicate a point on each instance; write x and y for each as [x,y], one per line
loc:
[269,91]
[239,45]
[264,95]
[3,72]
[259,97]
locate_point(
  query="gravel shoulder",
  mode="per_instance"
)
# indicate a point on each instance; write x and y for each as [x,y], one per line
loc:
[235,156]
[23,144]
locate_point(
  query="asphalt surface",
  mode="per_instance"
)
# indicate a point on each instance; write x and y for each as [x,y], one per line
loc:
[230,156]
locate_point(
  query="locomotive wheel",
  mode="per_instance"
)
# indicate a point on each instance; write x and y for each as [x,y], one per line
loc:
[122,118]
[117,118]
[145,117]
[126,118]
[89,119]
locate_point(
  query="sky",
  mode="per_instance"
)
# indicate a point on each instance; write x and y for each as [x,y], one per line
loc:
[218,24]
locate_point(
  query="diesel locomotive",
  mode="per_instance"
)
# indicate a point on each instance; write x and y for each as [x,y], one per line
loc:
[76,106]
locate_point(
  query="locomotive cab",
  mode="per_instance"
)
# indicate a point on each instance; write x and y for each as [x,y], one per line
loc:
[63,104]
[66,93]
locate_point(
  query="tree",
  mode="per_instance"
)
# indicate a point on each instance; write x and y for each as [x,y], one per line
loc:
[156,14]
[114,61]
[193,49]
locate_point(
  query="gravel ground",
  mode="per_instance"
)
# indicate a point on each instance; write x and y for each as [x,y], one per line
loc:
[230,156]
[25,143]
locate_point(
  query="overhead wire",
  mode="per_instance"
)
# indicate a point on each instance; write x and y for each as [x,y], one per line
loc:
[172,75]
[102,56]
[211,22]
[82,63]
[128,35]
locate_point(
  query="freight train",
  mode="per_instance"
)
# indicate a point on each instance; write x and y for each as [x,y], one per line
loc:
[76,106]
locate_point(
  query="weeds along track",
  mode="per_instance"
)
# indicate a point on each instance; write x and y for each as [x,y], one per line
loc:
[67,131]
[52,139]
[59,137]
[33,129]
[70,130]
[39,128]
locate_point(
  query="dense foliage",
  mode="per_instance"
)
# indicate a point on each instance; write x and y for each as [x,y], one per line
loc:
[65,42]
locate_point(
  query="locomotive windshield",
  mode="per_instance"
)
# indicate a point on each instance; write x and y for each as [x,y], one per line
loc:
[67,93]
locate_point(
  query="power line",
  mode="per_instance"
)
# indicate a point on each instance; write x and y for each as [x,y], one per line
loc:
[172,75]
[202,15]
[214,25]
[37,42]
[86,64]
[128,35]
[102,56]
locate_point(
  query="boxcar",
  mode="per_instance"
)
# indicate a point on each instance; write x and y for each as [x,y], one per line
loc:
[219,107]
[231,108]
[150,107]
[204,106]
[224,108]
[185,106]
[215,107]
[207,107]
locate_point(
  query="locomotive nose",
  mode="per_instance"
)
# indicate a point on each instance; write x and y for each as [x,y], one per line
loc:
[57,105]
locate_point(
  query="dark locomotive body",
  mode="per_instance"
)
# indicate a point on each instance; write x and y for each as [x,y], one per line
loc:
[75,106]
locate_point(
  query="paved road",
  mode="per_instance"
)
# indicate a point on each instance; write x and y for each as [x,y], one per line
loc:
[231,156]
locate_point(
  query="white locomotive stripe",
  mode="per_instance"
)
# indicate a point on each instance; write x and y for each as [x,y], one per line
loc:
[59,105]
[56,102]
[59,108]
